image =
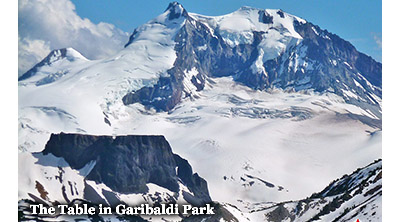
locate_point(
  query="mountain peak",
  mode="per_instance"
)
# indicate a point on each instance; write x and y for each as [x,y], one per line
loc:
[173,18]
[173,5]
[249,8]
[73,54]
[55,55]
[69,53]
[175,10]
[245,7]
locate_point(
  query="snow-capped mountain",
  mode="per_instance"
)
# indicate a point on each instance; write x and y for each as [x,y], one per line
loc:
[261,49]
[264,105]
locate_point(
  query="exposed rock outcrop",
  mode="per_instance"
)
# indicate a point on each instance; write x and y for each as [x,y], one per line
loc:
[127,163]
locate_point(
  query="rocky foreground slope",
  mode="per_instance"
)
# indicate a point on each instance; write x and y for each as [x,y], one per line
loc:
[352,197]
[76,168]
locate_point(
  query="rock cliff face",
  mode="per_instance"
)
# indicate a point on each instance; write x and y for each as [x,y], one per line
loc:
[127,163]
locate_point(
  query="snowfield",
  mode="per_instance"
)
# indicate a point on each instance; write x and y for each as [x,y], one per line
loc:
[250,146]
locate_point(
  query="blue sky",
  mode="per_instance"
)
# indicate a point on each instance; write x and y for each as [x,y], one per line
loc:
[358,21]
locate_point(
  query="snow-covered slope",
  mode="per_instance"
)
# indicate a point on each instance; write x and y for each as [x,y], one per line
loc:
[238,27]
[352,197]
[264,105]
[232,133]
[91,88]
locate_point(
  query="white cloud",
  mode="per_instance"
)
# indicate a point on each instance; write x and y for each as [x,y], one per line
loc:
[30,52]
[44,25]
[378,39]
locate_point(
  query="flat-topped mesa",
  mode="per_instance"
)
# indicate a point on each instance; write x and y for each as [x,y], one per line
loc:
[127,163]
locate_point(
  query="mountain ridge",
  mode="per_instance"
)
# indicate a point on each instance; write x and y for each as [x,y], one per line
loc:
[265,106]
[279,50]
